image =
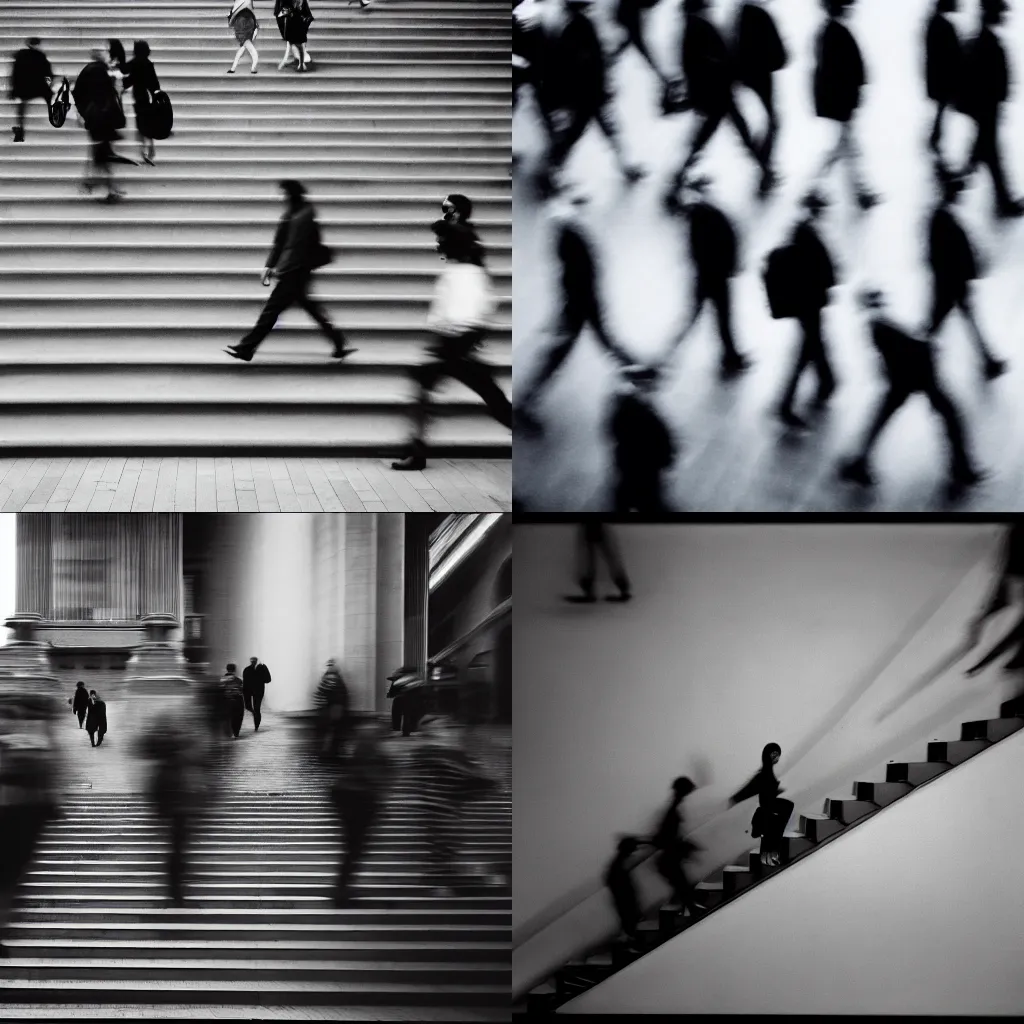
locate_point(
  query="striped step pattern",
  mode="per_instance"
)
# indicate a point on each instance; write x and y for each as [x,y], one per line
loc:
[731,880]
[117,315]
[92,924]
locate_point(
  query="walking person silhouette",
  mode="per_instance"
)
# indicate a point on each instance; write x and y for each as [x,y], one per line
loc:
[594,536]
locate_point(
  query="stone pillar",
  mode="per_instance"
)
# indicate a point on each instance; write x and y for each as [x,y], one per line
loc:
[390,598]
[34,568]
[417,589]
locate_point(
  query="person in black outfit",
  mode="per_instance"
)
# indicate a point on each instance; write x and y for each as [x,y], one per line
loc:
[839,77]
[642,446]
[595,536]
[457,211]
[580,306]
[758,53]
[620,884]
[986,88]
[673,850]
[713,249]
[96,719]
[629,15]
[772,814]
[1011,572]
[331,702]
[31,77]
[140,77]
[943,65]
[296,253]
[255,677]
[97,102]
[80,703]
[954,266]
[816,278]
[708,71]
[910,366]
[234,699]
[571,87]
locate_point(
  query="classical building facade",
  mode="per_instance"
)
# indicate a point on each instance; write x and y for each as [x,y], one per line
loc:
[153,599]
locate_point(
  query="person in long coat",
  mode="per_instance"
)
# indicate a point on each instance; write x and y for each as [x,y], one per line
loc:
[910,367]
[80,703]
[839,78]
[332,720]
[140,77]
[674,850]
[242,21]
[954,266]
[96,719]
[31,78]
[97,102]
[293,20]
[234,697]
[772,815]
[943,65]
[620,884]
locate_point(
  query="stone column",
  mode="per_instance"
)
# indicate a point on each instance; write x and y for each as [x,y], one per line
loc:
[416,586]
[24,658]
[390,599]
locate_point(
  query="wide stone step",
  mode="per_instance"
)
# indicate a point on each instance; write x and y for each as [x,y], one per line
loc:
[217,901]
[243,1010]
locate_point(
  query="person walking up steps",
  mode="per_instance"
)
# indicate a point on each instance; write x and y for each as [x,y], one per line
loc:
[297,252]
[234,699]
[96,100]
[140,77]
[242,21]
[80,703]
[458,318]
[293,19]
[31,77]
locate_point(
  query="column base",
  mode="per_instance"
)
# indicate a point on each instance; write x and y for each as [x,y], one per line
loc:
[158,663]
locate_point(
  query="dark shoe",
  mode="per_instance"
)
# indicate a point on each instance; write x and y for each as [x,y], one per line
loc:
[823,395]
[768,182]
[791,420]
[342,352]
[231,71]
[962,480]
[733,364]
[19,134]
[114,197]
[1011,208]
[867,199]
[584,598]
[855,471]
[410,462]
[995,368]
[239,353]
[525,421]
[148,160]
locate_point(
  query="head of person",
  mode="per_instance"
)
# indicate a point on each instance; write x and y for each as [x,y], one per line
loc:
[993,11]
[97,53]
[294,193]
[94,695]
[253,660]
[116,51]
[33,43]
[332,665]
[231,668]
[456,208]
[81,685]
[140,49]
[947,6]
[682,787]
[871,300]
[815,204]
[771,754]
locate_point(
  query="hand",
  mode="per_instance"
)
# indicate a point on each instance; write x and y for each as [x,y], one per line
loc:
[267,275]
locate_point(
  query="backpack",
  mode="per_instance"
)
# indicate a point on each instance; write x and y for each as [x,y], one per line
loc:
[781,276]
[60,104]
[159,117]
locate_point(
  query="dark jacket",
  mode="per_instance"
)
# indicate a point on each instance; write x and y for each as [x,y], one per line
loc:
[96,719]
[943,60]
[817,274]
[712,243]
[986,76]
[30,74]
[570,68]
[296,242]
[80,702]
[255,679]
[331,702]
[949,251]
[97,101]
[763,785]
[758,47]
[231,687]
[293,20]
[707,66]
[908,360]
[140,77]
[839,73]
[641,439]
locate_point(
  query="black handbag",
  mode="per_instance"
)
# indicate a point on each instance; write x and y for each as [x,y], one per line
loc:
[59,104]
[159,117]
[322,255]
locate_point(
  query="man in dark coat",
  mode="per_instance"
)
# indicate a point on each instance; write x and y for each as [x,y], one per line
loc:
[406,703]
[673,850]
[986,89]
[642,446]
[709,74]
[713,249]
[97,102]
[618,879]
[255,677]
[910,366]
[954,266]
[839,77]
[331,703]
[80,703]
[758,53]
[31,77]
[571,86]
[296,254]
[234,699]
[815,277]
[943,65]
[630,15]
[96,719]
[580,306]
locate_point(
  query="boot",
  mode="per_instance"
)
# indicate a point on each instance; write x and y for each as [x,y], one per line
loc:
[416,459]
[19,134]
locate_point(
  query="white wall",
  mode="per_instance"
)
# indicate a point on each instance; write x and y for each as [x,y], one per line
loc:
[737,636]
[917,910]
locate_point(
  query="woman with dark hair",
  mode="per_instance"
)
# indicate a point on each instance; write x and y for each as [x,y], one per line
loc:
[140,77]
[772,814]
[674,850]
[242,21]
[117,56]
[293,20]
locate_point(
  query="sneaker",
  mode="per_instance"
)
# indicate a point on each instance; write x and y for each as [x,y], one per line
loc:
[734,364]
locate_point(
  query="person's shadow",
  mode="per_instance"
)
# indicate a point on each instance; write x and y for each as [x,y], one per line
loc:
[594,538]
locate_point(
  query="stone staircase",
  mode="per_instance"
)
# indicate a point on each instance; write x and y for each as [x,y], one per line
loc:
[93,927]
[114,317]
[725,884]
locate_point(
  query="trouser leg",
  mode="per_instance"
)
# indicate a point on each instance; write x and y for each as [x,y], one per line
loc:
[283,295]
